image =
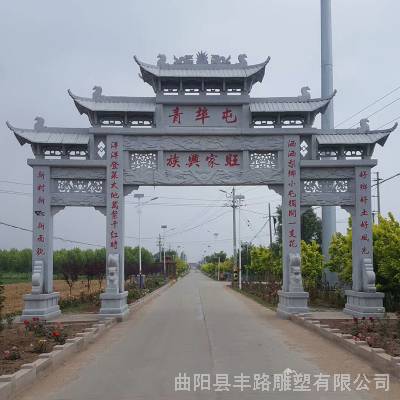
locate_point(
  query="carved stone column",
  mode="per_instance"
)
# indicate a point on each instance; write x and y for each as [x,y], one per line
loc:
[114,300]
[292,297]
[363,300]
[42,302]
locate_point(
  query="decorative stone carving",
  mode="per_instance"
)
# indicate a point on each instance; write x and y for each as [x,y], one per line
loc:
[263,160]
[242,60]
[112,275]
[37,277]
[201,57]
[364,125]
[80,186]
[368,275]
[39,124]
[325,186]
[202,143]
[295,281]
[162,60]
[143,160]
[187,59]
[217,59]
[97,90]
[305,93]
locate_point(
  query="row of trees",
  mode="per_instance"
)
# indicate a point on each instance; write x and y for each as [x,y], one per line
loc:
[74,264]
[266,262]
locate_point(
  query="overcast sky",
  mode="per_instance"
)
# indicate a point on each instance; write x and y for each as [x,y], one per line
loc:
[50,46]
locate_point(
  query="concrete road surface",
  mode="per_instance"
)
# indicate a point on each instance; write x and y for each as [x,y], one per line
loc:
[200,326]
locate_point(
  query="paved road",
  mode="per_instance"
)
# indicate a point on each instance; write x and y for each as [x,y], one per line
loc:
[199,326]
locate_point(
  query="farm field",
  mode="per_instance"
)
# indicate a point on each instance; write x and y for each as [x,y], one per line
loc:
[15,291]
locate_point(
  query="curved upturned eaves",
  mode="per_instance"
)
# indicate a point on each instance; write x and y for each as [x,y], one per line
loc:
[203,70]
[51,135]
[289,105]
[354,136]
[114,104]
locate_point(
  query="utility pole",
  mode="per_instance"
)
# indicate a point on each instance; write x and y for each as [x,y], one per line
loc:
[378,193]
[239,198]
[159,247]
[139,197]
[270,225]
[234,229]
[327,123]
[164,227]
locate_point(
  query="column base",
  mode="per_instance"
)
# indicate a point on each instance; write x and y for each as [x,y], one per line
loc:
[292,303]
[364,304]
[114,305]
[43,306]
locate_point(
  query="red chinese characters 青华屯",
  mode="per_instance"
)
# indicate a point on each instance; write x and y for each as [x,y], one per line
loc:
[202,114]
[228,116]
[176,115]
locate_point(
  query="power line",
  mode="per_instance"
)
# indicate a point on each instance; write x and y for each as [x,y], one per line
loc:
[379,110]
[392,120]
[368,106]
[54,237]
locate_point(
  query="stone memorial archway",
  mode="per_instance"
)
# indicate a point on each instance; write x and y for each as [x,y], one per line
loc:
[201,128]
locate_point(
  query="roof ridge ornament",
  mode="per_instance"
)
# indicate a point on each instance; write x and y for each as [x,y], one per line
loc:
[162,60]
[364,125]
[97,90]
[305,94]
[201,57]
[186,59]
[39,124]
[242,60]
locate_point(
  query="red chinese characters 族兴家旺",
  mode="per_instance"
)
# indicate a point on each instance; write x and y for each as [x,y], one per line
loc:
[173,161]
[212,160]
[232,160]
[193,160]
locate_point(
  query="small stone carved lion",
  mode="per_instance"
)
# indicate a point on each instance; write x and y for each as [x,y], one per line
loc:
[97,90]
[113,272]
[37,277]
[305,93]
[39,123]
[242,59]
[368,275]
[295,281]
[162,60]
[364,125]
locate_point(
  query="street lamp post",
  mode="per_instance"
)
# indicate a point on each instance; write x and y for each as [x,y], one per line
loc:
[139,197]
[164,227]
[239,197]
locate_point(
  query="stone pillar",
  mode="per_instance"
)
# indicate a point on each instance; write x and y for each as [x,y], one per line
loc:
[292,297]
[363,300]
[42,302]
[114,300]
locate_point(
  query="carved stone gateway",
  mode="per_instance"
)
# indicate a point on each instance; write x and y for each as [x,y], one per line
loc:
[201,128]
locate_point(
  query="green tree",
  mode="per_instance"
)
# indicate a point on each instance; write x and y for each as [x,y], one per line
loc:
[340,260]
[311,264]
[387,253]
[265,261]
[311,226]
[213,258]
